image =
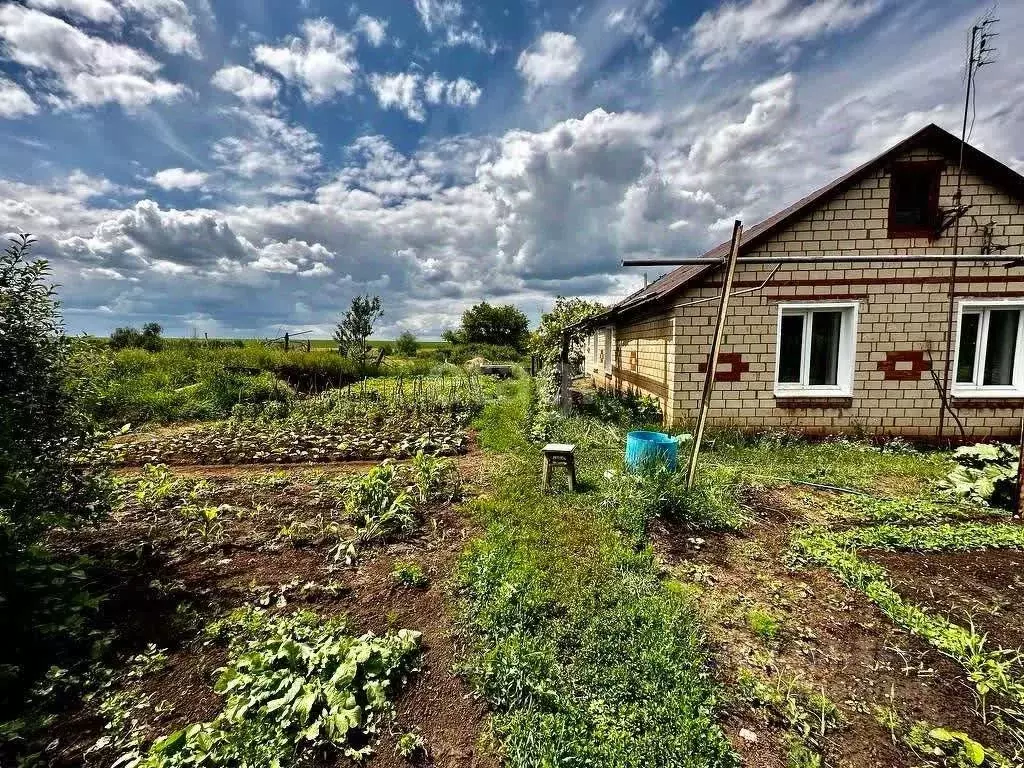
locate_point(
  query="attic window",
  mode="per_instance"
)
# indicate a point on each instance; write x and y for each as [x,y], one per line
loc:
[914,199]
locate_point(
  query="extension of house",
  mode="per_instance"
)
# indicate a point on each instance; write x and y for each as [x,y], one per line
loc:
[848,346]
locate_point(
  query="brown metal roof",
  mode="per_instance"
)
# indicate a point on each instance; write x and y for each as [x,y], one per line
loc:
[931,136]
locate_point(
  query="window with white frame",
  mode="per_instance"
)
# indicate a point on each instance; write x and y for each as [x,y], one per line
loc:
[815,349]
[989,349]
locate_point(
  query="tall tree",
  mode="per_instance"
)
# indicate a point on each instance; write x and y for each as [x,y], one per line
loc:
[547,339]
[353,332]
[503,325]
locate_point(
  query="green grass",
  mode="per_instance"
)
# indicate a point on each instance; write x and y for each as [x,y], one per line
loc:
[586,657]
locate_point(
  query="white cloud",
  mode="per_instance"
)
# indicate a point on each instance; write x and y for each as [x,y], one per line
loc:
[249,86]
[85,70]
[661,61]
[173,25]
[15,101]
[444,17]
[100,11]
[406,92]
[322,61]
[268,155]
[554,58]
[457,93]
[373,29]
[399,91]
[727,32]
[178,178]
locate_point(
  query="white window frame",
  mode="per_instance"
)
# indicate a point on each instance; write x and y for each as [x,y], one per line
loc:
[847,350]
[977,389]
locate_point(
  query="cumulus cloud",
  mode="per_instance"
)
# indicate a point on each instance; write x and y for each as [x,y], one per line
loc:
[178,178]
[249,86]
[172,24]
[372,29]
[15,101]
[82,69]
[407,91]
[727,32]
[321,61]
[772,102]
[553,59]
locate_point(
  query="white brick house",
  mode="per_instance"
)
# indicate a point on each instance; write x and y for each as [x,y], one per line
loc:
[848,346]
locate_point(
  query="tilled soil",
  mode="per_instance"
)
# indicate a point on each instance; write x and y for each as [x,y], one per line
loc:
[148,584]
[832,640]
[985,587]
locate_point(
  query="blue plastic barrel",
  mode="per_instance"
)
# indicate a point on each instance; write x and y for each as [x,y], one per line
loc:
[650,448]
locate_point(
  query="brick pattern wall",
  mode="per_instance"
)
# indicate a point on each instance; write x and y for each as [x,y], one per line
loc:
[900,331]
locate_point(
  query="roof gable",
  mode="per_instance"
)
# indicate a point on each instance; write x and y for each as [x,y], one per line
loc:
[931,136]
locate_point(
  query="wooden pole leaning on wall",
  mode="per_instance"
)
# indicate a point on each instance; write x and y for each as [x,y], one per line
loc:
[1018,508]
[716,343]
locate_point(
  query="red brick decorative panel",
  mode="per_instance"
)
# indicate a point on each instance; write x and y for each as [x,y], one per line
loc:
[823,403]
[994,404]
[904,365]
[736,367]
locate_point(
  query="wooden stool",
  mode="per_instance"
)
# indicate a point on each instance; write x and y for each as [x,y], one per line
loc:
[560,453]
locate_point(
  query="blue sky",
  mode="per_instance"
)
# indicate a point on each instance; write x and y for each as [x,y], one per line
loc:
[239,168]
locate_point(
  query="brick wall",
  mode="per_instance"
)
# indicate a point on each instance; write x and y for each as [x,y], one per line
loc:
[900,334]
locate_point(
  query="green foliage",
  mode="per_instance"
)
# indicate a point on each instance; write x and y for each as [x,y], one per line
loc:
[628,408]
[503,326]
[763,623]
[293,686]
[546,341]
[409,574]
[460,353]
[45,477]
[410,744]
[148,338]
[985,473]
[947,748]
[356,326]
[406,344]
[586,658]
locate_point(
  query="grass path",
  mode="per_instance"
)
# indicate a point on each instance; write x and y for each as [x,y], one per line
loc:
[585,655]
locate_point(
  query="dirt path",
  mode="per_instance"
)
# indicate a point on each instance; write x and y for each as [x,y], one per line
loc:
[830,639]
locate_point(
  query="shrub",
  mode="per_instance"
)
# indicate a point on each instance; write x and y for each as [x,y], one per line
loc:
[43,480]
[148,339]
[406,344]
[628,408]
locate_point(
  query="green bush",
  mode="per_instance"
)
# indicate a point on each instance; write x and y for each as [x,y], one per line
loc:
[985,473]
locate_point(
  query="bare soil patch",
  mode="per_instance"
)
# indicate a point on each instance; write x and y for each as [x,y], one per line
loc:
[163,592]
[985,587]
[831,640]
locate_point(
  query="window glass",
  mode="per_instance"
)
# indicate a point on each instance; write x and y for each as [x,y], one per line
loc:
[970,322]
[1001,347]
[913,205]
[824,362]
[791,340]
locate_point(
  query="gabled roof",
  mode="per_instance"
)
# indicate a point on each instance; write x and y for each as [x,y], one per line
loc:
[931,136]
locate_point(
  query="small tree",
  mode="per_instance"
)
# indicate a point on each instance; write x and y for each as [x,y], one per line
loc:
[406,344]
[547,339]
[149,338]
[353,332]
[501,325]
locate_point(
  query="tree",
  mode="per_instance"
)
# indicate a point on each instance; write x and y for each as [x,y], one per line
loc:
[353,332]
[149,338]
[501,325]
[546,341]
[44,480]
[406,344]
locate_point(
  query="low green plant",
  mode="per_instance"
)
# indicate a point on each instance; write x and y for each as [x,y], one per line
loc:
[985,473]
[293,686]
[409,574]
[410,744]
[948,748]
[764,624]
